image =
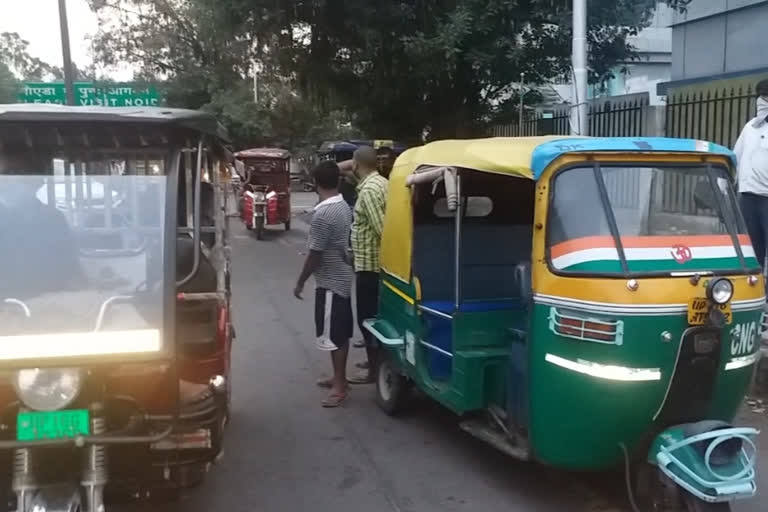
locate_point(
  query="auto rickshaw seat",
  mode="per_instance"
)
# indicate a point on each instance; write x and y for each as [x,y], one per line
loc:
[490,257]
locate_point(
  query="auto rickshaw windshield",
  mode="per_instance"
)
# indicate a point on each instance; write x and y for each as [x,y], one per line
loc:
[82,244]
[645,220]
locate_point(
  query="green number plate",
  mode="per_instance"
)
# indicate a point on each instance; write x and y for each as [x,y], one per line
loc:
[32,426]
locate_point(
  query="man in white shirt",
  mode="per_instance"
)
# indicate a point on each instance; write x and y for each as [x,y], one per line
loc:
[752,157]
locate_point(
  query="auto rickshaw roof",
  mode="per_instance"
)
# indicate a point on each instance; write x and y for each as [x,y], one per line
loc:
[528,157]
[333,146]
[195,120]
[263,153]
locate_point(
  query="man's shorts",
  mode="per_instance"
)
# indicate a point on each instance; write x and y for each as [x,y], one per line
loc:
[333,319]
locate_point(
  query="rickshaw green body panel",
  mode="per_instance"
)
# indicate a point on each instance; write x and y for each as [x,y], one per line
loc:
[575,420]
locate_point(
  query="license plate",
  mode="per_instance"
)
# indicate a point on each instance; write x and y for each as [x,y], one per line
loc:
[33,426]
[698,311]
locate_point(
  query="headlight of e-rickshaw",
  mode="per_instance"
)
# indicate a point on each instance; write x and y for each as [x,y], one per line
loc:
[48,389]
[720,290]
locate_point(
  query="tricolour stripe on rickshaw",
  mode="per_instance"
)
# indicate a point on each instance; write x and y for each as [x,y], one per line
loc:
[652,253]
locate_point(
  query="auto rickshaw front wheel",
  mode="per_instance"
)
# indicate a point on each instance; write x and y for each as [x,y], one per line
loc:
[392,387]
[288,225]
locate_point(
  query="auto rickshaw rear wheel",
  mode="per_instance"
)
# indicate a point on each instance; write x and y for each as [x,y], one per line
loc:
[391,387]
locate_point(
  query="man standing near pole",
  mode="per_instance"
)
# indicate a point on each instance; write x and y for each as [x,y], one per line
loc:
[752,157]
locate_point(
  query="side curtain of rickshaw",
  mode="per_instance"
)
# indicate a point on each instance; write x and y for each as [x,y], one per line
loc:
[397,237]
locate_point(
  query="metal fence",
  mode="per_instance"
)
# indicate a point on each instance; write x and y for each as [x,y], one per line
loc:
[607,118]
[716,116]
[712,115]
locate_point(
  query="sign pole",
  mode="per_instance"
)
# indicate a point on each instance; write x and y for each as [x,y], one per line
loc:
[580,126]
[69,79]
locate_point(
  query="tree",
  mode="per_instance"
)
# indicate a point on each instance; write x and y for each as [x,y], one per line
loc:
[444,66]
[8,84]
[14,55]
[201,57]
[406,68]
[17,64]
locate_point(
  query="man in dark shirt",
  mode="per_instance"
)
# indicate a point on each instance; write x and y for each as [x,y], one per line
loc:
[348,183]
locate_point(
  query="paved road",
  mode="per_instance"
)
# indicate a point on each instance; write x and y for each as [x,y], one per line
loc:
[284,453]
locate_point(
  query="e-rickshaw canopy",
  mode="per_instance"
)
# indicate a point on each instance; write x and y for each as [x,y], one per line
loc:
[195,120]
[277,153]
[519,157]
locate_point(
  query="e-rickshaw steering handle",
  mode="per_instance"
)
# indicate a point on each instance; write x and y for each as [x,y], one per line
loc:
[20,304]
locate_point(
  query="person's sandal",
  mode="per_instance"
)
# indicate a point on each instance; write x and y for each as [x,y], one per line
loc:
[326,383]
[334,401]
[363,378]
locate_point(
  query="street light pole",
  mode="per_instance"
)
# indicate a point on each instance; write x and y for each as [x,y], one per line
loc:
[522,95]
[255,82]
[69,80]
[580,126]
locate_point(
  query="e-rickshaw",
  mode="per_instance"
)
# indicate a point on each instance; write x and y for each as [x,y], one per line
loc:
[267,189]
[584,303]
[115,324]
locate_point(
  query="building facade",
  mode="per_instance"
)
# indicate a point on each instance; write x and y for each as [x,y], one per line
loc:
[652,66]
[717,43]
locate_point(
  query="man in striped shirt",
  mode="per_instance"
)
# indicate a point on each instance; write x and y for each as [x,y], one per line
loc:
[327,261]
[366,240]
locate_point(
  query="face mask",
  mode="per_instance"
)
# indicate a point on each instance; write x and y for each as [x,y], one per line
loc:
[762,111]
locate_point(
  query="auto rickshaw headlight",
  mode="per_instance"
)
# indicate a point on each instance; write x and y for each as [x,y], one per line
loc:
[48,389]
[720,290]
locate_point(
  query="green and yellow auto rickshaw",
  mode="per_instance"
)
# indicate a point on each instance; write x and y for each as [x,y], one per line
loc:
[586,303]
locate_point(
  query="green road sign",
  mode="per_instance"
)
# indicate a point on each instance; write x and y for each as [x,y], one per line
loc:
[90,94]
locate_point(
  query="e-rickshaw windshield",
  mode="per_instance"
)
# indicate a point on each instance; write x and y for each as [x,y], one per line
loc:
[82,243]
[645,220]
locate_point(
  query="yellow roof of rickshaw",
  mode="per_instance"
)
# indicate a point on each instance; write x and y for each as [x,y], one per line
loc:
[528,157]
[502,155]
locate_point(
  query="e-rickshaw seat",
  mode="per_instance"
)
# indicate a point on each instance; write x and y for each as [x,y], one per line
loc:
[196,321]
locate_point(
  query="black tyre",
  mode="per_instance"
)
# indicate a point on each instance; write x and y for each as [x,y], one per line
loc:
[288,225]
[259,228]
[694,504]
[391,387]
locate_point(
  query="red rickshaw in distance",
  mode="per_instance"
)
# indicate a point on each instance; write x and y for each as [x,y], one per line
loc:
[266,193]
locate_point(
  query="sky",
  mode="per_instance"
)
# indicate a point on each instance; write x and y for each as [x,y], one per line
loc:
[37,21]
